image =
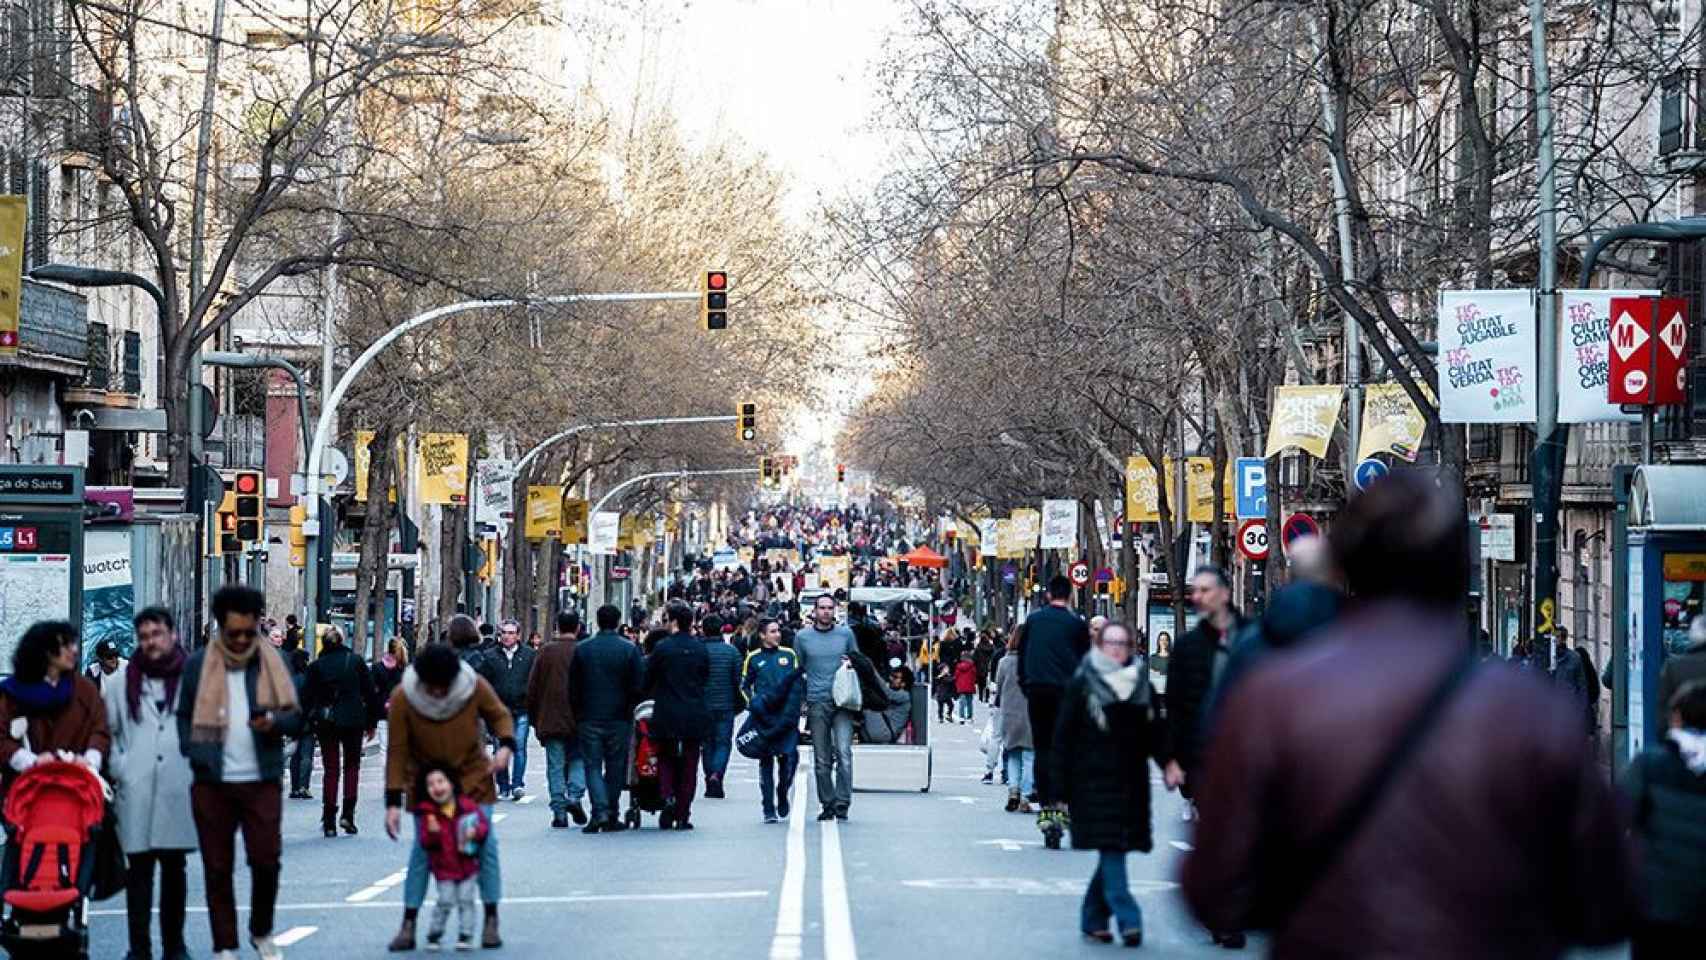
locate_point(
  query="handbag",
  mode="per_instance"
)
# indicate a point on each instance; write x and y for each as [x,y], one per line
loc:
[845,690]
[111,870]
[749,741]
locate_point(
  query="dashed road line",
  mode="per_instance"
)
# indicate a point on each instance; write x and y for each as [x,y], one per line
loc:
[1180,845]
[368,893]
[295,935]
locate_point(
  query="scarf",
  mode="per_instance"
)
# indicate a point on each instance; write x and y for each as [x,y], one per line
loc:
[389,661]
[273,687]
[40,697]
[1691,744]
[169,668]
[440,709]
[1108,683]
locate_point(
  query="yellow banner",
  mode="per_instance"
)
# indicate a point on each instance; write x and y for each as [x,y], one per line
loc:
[444,468]
[1142,493]
[1199,488]
[1390,423]
[1145,506]
[1019,533]
[544,516]
[1304,417]
[13,213]
[834,573]
[363,460]
[574,520]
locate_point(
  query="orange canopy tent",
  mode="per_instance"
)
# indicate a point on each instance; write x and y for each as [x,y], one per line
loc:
[923,556]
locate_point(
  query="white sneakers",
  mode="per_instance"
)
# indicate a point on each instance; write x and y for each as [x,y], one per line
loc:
[1188,812]
[266,949]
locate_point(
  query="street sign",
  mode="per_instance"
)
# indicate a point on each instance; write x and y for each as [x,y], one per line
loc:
[1368,471]
[1253,539]
[1645,371]
[619,573]
[1009,574]
[1296,526]
[1251,474]
[1105,575]
[1078,573]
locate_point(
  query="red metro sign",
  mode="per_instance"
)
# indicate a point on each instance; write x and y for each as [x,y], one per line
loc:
[1649,351]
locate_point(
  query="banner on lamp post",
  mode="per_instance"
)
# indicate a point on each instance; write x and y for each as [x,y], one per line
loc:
[1390,423]
[1487,356]
[603,532]
[444,468]
[1584,356]
[1304,417]
[1059,525]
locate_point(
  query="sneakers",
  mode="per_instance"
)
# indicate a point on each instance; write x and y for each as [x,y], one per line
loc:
[666,817]
[404,941]
[464,944]
[578,812]
[593,827]
[348,824]
[771,818]
[1188,812]
[433,941]
[266,949]
[560,821]
[714,788]
[1132,938]
[841,816]
[517,794]
[826,816]
[1012,801]
[988,777]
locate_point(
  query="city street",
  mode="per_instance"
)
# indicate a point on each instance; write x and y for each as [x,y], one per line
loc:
[943,873]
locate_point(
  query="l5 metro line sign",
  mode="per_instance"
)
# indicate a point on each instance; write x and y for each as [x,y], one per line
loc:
[1649,351]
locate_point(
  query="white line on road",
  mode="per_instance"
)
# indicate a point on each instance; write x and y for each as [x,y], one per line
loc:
[791,911]
[966,800]
[528,798]
[510,901]
[499,817]
[1180,845]
[294,935]
[837,915]
[368,893]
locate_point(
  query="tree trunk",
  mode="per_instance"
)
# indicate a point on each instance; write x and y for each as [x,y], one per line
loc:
[373,568]
[543,608]
[453,534]
[175,398]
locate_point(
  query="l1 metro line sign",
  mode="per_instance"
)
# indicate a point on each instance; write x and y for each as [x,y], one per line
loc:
[1649,351]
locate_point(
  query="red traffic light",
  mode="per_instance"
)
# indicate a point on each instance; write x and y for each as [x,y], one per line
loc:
[716,280]
[248,483]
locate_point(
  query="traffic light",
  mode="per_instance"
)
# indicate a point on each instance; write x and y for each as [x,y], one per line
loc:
[841,473]
[714,307]
[229,541]
[246,486]
[748,415]
[767,472]
[298,538]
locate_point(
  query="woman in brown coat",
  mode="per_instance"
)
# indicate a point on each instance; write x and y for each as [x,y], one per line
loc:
[66,719]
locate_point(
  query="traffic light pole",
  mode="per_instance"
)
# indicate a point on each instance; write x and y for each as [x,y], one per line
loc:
[329,405]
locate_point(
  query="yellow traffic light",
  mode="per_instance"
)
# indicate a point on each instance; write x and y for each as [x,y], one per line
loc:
[747,414]
[714,304]
[298,538]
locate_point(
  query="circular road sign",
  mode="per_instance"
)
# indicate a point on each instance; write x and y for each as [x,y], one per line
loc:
[1253,539]
[1298,525]
[1078,573]
[1105,575]
[1367,471]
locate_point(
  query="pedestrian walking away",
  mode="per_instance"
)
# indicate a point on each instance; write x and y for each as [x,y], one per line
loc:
[554,722]
[722,702]
[1052,643]
[341,707]
[676,674]
[451,828]
[301,759]
[1018,755]
[1103,742]
[151,782]
[965,684]
[1667,792]
[823,647]
[604,688]
[236,704]
[775,691]
[507,668]
[436,716]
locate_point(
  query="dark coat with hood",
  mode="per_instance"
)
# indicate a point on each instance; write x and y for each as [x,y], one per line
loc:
[1294,611]
[339,693]
[1669,806]
[676,674]
[1103,773]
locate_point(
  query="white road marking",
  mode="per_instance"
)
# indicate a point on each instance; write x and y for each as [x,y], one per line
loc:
[1180,845]
[791,910]
[368,893]
[528,798]
[837,915]
[512,901]
[966,800]
[294,935]
[499,817]
[1011,846]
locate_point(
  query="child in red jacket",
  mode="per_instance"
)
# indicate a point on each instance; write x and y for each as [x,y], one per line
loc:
[965,684]
[451,828]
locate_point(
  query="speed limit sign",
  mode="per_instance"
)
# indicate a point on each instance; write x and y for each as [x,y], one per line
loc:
[1253,539]
[1079,573]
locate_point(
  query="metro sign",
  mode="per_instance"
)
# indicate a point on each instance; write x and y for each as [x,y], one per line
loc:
[1645,371]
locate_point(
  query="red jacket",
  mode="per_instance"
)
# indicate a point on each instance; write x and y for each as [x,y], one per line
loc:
[965,677]
[442,841]
[1499,838]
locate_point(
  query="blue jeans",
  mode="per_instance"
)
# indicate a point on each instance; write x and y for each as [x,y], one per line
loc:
[776,778]
[516,776]
[1109,895]
[565,774]
[491,881]
[832,755]
[717,745]
[604,750]
[965,706]
[1021,770]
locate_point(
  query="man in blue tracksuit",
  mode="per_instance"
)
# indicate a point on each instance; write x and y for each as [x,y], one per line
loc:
[775,692]
[722,700]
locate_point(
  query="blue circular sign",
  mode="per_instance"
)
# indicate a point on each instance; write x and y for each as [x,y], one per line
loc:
[1368,471]
[1009,574]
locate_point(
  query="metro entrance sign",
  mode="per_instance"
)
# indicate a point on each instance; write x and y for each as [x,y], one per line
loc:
[1649,347]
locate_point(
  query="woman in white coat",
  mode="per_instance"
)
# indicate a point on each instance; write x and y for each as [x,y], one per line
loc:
[151,779]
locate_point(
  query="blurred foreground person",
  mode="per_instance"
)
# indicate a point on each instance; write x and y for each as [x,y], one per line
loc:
[1424,806]
[1667,785]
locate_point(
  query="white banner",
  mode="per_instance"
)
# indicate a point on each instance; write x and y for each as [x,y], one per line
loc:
[989,535]
[494,492]
[1584,357]
[602,533]
[1487,356]
[1102,527]
[1060,525]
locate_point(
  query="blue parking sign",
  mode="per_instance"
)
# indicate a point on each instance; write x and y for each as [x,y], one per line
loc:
[1251,486]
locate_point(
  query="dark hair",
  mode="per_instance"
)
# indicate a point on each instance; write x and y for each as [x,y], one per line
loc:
[712,625]
[39,644]
[461,632]
[1217,573]
[106,650]
[825,596]
[569,622]
[437,665]
[1404,537]
[1059,588]
[437,766]
[156,614]
[237,598]
[856,608]
[1690,701]
[487,630]
[681,615]
[608,617]
[653,637]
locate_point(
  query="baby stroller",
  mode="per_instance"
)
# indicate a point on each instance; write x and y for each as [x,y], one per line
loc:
[53,815]
[644,791]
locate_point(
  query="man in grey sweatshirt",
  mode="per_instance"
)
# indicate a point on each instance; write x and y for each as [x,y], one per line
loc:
[823,645]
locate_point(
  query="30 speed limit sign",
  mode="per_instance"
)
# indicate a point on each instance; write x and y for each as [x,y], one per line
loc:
[1253,539]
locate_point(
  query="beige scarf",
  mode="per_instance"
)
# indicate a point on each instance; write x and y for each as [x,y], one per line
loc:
[273,689]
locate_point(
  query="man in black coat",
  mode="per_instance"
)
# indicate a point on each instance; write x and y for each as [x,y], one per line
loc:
[676,675]
[604,686]
[868,634]
[507,668]
[1052,643]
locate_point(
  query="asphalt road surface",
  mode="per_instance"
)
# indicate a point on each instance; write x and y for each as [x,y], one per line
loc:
[946,873]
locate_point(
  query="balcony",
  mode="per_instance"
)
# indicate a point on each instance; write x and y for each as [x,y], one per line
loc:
[53,331]
[113,377]
[88,126]
[1682,142]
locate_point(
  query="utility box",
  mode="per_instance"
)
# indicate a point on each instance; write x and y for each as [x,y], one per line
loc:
[41,550]
[1665,585]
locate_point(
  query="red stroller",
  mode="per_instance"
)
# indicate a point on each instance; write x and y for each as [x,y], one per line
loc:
[53,814]
[644,791]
